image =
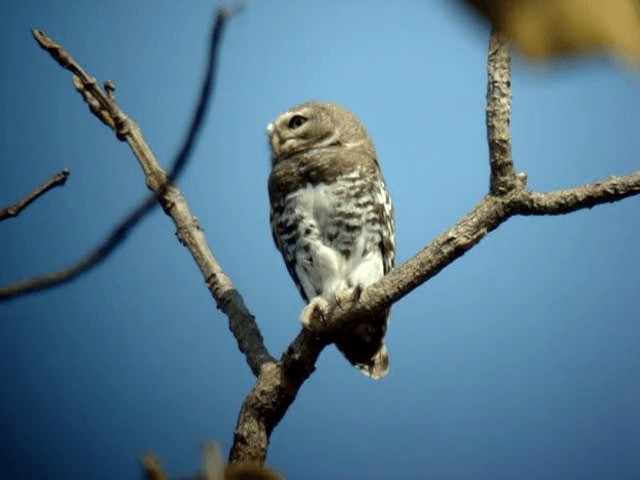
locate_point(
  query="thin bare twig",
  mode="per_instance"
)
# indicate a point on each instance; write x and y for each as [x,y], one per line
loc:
[57,180]
[559,202]
[503,174]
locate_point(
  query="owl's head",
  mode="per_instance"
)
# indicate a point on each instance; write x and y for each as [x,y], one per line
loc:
[315,126]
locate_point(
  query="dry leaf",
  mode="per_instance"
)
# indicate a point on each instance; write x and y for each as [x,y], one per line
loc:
[551,28]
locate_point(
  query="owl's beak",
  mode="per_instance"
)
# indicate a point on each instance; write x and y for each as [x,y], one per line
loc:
[274,139]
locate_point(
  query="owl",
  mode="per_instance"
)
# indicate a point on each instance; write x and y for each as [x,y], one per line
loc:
[332,218]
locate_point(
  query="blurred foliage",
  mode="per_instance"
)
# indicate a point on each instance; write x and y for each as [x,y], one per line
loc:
[544,29]
[249,471]
[215,468]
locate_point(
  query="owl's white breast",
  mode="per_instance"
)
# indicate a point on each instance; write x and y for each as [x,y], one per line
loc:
[322,203]
[335,246]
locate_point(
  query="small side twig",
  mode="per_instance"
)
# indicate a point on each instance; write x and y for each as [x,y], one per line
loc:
[57,180]
[559,202]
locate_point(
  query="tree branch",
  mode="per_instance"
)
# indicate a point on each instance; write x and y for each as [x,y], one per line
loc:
[275,390]
[277,387]
[559,202]
[103,105]
[503,173]
[57,180]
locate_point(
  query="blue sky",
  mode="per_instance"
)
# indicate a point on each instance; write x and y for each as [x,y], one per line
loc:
[520,360]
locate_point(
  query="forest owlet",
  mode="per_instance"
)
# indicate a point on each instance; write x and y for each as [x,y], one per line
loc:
[331,217]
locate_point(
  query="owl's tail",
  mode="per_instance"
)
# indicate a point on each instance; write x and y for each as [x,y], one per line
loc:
[365,347]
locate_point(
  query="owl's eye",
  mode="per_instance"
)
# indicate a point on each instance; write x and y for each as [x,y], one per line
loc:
[296,121]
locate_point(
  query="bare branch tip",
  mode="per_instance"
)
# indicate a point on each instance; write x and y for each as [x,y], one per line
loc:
[40,36]
[44,40]
[63,175]
[228,11]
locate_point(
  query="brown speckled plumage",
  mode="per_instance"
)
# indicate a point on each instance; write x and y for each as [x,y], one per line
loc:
[331,216]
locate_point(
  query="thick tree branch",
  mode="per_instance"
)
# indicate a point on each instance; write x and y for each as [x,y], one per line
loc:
[57,180]
[492,211]
[269,400]
[277,386]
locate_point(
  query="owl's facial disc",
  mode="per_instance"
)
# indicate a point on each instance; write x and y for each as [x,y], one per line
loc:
[289,134]
[300,130]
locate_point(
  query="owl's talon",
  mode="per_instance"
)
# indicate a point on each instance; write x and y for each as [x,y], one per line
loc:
[315,314]
[355,293]
[349,295]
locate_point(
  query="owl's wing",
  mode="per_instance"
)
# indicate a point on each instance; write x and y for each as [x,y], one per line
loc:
[286,247]
[388,242]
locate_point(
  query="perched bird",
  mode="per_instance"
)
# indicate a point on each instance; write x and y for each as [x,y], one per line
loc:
[332,218]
